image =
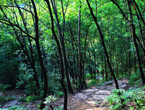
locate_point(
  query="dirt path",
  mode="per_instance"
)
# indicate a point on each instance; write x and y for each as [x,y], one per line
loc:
[89,99]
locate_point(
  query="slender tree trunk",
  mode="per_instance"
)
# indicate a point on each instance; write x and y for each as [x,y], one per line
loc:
[79,49]
[30,58]
[63,48]
[61,57]
[43,70]
[139,12]
[102,39]
[106,73]
[135,43]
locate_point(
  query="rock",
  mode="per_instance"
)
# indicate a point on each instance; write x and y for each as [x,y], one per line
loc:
[124,86]
[99,97]
[88,93]
[110,88]
[91,102]
[11,103]
[81,96]
[101,87]
[19,103]
[29,106]
[37,101]
[119,83]
[90,90]
[102,92]
[97,105]
[125,80]
[90,98]
[95,89]
[108,83]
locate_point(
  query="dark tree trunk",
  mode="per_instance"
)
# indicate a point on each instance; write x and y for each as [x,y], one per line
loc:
[79,49]
[63,48]
[135,43]
[43,70]
[106,73]
[23,46]
[81,76]
[102,39]
[61,57]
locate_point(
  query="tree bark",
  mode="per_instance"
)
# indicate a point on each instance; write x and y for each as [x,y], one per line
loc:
[60,55]
[135,43]
[63,48]
[43,70]
[103,43]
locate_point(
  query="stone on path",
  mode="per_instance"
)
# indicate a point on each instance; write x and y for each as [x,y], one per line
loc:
[11,103]
[90,90]
[119,83]
[110,88]
[102,92]
[108,83]
[101,87]
[124,80]
[81,96]
[124,86]
[99,97]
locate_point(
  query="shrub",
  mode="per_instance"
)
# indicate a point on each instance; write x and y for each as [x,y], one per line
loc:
[135,76]
[59,93]
[4,99]
[92,82]
[121,99]
[15,108]
[4,87]
[88,76]
[26,79]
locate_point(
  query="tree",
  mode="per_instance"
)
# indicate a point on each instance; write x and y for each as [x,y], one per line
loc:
[102,40]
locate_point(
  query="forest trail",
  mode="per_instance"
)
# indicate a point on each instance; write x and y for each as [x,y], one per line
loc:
[88,99]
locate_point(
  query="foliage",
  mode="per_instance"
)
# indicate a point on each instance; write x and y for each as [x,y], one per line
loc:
[135,77]
[8,59]
[92,82]
[4,87]
[29,98]
[14,108]
[121,99]
[32,98]
[25,79]
[28,46]
[88,76]
[4,99]
[59,93]
[49,99]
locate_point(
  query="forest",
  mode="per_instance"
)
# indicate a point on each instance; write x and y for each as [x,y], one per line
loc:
[51,50]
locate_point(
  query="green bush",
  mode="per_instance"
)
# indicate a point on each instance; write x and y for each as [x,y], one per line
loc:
[29,98]
[59,94]
[119,99]
[135,76]
[49,99]
[14,108]
[4,99]
[4,87]
[88,76]
[9,60]
[92,82]
[26,79]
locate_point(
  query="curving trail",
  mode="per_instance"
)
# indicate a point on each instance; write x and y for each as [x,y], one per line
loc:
[89,99]
[86,99]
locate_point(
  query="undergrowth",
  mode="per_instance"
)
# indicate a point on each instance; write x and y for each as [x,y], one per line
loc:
[133,99]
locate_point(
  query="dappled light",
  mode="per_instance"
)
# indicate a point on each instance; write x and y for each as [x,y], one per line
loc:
[72,55]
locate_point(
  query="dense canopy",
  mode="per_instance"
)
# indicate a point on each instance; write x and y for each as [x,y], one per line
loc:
[53,46]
